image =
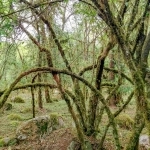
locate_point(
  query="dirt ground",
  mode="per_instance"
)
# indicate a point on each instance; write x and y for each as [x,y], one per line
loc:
[57,140]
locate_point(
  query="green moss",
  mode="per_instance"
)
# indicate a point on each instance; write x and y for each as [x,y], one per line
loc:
[14,123]
[124,121]
[2,143]
[55,100]
[54,118]
[7,141]
[18,100]
[28,110]
[14,117]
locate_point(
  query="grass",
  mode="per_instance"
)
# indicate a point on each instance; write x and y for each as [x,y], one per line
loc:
[15,117]
[23,111]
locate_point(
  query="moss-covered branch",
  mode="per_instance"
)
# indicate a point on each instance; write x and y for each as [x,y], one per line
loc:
[4,97]
[107,69]
[115,115]
[48,69]
[29,85]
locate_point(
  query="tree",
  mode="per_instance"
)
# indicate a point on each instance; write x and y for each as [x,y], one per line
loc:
[129,33]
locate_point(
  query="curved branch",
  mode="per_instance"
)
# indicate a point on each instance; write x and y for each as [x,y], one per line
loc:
[19,87]
[89,4]
[115,115]
[122,74]
[87,69]
[105,68]
[4,97]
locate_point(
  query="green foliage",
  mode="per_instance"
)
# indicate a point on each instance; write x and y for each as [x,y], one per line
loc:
[13,141]
[18,100]
[14,116]
[124,121]
[9,141]
[7,23]
[2,143]
[43,127]
[26,110]
[84,9]
[54,118]
[14,123]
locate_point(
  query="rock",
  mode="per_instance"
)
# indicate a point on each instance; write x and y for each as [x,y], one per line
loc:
[74,145]
[144,141]
[37,127]
[56,121]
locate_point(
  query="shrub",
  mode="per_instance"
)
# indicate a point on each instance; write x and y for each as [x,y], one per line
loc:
[8,141]
[14,117]
[124,121]
[54,118]
[2,143]
[18,100]
[14,123]
[8,106]
[28,110]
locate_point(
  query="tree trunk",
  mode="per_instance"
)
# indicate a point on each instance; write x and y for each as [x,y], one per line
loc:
[47,95]
[111,77]
[40,103]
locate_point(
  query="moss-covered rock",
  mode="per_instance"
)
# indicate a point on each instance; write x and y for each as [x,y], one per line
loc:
[124,121]
[15,117]
[74,145]
[57,121]
[37,127]
[18,100]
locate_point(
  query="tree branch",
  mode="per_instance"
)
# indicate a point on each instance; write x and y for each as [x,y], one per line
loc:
[35,6]
[105,68]
[52,32]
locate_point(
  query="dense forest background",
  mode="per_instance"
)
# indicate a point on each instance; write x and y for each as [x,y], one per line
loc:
[94,54]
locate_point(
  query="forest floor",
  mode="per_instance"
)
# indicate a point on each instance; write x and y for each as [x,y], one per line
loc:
[59,139]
